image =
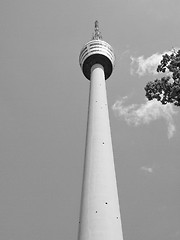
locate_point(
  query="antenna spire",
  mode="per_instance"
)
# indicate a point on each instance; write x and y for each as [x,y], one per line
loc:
[97,34]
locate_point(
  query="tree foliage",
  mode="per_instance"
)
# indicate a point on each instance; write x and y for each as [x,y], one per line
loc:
[167,89]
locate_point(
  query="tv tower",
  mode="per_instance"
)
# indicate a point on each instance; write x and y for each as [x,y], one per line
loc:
[100,214]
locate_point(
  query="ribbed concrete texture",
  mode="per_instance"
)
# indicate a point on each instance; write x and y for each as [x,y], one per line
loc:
[100,215]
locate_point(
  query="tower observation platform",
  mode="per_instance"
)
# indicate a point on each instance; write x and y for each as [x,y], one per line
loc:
[97,51]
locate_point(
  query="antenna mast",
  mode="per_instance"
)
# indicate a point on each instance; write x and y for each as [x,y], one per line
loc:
[97,34]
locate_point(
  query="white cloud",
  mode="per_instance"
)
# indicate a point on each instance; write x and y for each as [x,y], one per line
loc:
[143,66]
[147,169]
[137,114]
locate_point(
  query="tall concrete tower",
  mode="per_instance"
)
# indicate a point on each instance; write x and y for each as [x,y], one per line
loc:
[100,215]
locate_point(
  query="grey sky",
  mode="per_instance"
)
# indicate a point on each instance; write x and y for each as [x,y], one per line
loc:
[43,111]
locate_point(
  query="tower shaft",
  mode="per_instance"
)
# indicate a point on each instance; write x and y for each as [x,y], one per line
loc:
[100,215]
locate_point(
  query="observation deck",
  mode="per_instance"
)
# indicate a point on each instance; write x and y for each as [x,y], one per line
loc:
[97,51]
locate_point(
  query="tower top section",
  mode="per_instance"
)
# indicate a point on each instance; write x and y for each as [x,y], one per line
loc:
[97,51]
[97,34]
